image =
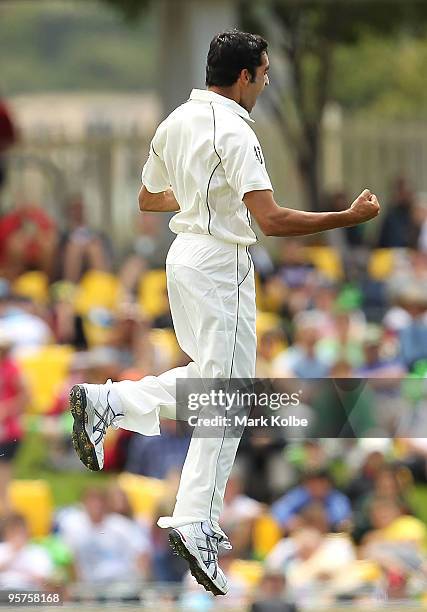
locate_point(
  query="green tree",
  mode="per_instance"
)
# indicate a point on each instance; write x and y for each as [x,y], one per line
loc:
[72,46]
[305,35]
[130,9]
[392,88]
[318,45]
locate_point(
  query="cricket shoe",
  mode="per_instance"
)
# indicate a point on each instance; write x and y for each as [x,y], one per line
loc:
[93,415]
[198,544]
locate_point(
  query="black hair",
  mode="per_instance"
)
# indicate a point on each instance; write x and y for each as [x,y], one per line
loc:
[317,473]
[231,52]
[13,521]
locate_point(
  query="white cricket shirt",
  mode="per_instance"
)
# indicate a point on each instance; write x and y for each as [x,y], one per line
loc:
[210,157]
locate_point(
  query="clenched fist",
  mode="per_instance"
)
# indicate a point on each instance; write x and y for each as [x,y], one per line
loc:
[364,207]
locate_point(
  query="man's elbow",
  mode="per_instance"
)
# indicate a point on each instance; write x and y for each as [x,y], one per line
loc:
[143,200]
[279,225]
[267,226]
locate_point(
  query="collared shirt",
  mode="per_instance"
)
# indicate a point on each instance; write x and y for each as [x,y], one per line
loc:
[210,157]
[336,504]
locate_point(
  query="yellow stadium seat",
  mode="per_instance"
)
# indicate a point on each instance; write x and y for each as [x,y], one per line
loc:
[97,290]
[96,335]
[143,493]
[267,321]
[166,341]
[32,499]
[248,571]
[152,294]
[259,293]
[326,260]
[266,534]
[45,372]
[380,264]
[33,285]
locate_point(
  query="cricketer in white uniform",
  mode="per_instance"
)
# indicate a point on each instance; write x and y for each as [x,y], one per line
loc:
[206,163]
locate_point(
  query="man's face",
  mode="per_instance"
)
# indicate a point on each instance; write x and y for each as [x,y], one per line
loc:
[250,91]
[318,487]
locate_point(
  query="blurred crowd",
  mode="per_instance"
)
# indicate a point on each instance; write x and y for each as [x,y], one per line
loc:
[319,520]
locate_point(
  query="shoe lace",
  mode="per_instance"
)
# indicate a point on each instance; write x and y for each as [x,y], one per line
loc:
[220,538]
[225,543]
[105,419]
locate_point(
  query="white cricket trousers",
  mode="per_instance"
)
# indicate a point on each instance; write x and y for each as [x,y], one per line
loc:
[212,299]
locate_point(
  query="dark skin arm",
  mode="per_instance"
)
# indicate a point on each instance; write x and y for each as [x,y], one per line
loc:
[275,220]
[157,202]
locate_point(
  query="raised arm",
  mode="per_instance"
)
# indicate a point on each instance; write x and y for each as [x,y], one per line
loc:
[164,201]
[275,220]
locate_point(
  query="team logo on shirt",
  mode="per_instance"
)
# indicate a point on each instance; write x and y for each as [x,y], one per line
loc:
[258,154]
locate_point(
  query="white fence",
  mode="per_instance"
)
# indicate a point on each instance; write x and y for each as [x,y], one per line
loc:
[105,167]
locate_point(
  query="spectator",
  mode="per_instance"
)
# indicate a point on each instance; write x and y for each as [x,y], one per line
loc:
[413,336]
[291,287]
[314,487]
[312,561]
[377,362]
[388,484]
[155,456]
[421,219]
[323,305]
[28,241]
[391,524]
[261,452]
[308,455]
[272,594]
[294,268]
[22,565]
[8,137]
[399,229]
[239,515]
[13,400]
[82,248]
[300,359]
[344,343]
[371,460]
[409,271]
[408,305]
[130,338]
[343,408]
[110,550]
[118,501]
[23,324]
[67,324]
[269,343]
[148,252]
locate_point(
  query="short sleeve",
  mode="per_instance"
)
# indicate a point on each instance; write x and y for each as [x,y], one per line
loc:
[154,173]
[243,161]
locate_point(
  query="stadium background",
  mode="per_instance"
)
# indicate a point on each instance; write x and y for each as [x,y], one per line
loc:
[82,297]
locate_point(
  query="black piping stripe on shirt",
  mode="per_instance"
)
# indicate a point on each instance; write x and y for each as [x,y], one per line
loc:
[237,310]
[250,266]
[154,151]
[213,171]
[231,373]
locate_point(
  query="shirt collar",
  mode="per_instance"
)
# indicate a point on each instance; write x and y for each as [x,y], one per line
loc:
[204,95]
